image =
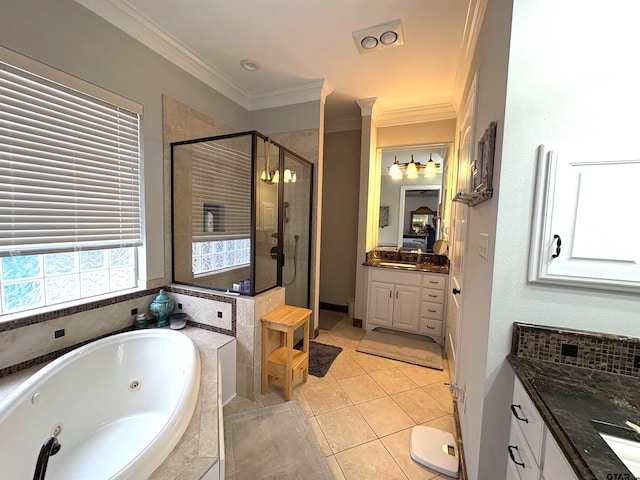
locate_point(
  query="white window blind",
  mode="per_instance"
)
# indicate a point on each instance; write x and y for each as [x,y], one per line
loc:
[69,163]
[221,200]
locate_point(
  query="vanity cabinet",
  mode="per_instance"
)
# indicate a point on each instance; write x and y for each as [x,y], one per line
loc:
[532,453]
[408,301]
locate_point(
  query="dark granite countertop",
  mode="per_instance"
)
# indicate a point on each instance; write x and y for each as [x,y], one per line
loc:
[569,399]
[410,267]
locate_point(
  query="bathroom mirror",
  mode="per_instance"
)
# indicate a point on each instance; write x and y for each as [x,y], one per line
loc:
[414,203]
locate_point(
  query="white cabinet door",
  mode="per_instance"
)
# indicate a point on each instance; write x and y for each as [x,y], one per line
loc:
[555,464]
[584,230]
[406,308]
[380,310]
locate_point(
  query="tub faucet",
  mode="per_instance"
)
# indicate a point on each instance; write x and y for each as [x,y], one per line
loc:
[49,447]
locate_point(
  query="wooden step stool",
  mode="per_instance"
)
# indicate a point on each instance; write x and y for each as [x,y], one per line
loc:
[281,365]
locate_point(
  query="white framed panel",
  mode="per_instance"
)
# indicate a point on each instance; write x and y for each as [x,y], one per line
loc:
[585,229]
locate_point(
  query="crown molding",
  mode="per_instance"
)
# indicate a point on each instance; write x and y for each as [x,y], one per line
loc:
[310,91]
[426,113]
[369,107]
[131,21]
[473,24]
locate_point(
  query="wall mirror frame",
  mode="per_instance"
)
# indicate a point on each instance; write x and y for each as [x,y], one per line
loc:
[396,232]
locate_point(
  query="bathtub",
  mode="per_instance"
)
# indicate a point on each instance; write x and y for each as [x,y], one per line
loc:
[117,406]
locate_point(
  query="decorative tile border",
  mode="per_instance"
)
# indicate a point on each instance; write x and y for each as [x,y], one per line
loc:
[65,312]
[53,355]
[591,350]
[209,296]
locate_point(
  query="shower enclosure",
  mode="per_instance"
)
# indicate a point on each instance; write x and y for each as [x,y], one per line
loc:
[241,215]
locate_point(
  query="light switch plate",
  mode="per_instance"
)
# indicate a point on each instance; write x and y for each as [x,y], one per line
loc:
[483,248]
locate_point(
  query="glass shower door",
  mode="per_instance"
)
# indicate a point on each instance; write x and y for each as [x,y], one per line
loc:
[296,183]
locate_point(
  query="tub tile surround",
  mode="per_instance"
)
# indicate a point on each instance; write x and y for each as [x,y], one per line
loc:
[31,340]
[197,451]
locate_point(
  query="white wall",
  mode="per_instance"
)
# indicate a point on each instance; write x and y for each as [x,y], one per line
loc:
[573,89]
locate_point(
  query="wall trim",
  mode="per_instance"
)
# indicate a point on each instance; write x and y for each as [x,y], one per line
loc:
[128,19]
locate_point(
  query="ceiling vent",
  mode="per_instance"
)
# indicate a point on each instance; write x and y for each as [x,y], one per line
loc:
[378,37]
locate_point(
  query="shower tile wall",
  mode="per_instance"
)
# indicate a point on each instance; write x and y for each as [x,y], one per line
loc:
[249,339]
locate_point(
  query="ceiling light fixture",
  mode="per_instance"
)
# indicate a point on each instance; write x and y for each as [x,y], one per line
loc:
[388,38]
[379,36]
[250,65]
[369,42]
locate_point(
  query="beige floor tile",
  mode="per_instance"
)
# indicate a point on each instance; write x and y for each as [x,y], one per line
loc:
[440,392]
[384,416]
[361,388]
[298,395]
[419,405]
[335,468]
[398,446]
[319,436]
[393,380]
[326,397]
[345,428]
[369,461]
[345,366]
[347,344]
[422,375]
[371,363]
[446,423]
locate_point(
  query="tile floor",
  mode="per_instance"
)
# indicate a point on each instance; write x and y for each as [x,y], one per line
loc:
[363,410]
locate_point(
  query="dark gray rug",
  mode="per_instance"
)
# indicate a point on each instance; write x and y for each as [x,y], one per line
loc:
[273,442]
[328,319]
[321,357]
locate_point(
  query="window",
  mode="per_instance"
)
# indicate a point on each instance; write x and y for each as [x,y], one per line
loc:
[221,255]
[70,211]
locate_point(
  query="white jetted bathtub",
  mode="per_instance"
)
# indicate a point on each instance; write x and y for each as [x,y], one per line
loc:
[117,407]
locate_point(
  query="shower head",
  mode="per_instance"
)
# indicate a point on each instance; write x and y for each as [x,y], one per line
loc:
[286,204]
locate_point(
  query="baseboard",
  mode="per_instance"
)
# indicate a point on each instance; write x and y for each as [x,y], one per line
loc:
[456,418]
[333,307]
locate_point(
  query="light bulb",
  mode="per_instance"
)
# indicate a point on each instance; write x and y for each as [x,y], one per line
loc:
[412,170]
[287,175]
[276,177]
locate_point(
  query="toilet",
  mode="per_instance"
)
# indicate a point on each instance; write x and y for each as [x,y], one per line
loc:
[435,449]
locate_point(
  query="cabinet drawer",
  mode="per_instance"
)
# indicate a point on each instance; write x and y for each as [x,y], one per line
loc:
[519,455]
[431,295]
[525,415]
[434,281]
[394,276]
[431,310]
[430,327]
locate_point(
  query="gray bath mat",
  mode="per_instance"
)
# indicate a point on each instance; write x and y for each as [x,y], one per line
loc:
[272,442]
[408,349]
[321,357]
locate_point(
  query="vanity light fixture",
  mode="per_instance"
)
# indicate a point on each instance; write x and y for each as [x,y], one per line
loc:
[430,168]
[412,169]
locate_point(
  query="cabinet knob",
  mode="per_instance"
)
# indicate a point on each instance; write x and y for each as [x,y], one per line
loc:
[456,291]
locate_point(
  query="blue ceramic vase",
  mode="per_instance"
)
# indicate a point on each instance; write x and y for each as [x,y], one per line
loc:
[161,307]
